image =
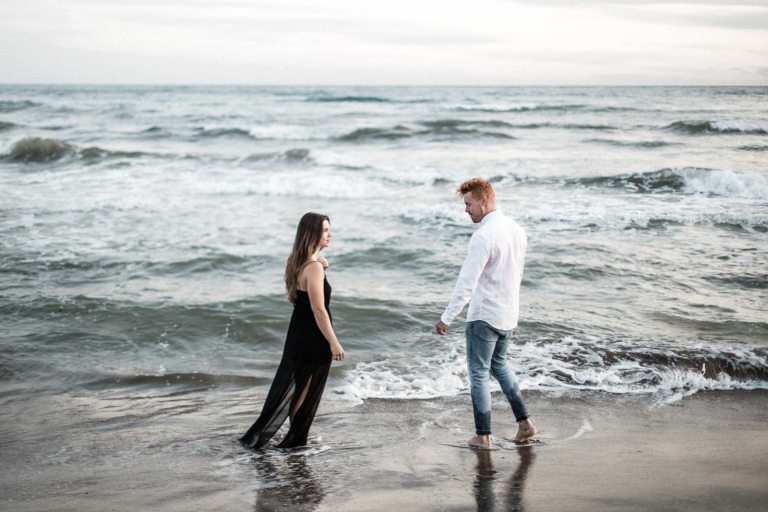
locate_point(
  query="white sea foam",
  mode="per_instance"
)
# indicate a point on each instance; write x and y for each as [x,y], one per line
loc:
[285,132]
[583,429]
[745,126]
[299,184]
[569,364]
[493,107]
[725,183]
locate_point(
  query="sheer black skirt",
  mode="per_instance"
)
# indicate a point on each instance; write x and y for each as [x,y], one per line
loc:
[285,392]
[305,364]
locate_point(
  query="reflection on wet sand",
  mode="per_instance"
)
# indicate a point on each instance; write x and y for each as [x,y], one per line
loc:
[486,475]
[286,484]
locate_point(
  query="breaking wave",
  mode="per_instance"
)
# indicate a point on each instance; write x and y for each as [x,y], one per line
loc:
[94,152]
[515,108]
[363,99]
[223,132]
[689,180]
[438,128]
[534,126]
[570,364]
[35,150]
[376,133]
[641,144]
[712,127]
[349,99]
[295,154]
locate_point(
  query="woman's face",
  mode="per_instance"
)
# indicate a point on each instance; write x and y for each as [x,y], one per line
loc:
[325,238]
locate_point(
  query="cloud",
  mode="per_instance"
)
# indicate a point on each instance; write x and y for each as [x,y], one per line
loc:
[743,17]
[382,42]
[585,3]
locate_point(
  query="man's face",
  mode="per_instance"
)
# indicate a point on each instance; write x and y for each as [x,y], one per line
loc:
[476,208]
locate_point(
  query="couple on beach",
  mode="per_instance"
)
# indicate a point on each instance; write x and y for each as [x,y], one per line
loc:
[490,277]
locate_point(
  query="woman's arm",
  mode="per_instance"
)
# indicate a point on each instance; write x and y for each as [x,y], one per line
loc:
[315,277]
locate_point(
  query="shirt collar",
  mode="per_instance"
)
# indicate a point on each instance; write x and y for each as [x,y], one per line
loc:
[490,215]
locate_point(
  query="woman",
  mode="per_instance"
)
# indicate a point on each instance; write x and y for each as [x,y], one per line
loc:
[310,344]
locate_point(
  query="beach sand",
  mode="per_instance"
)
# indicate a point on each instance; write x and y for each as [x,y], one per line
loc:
[603,452]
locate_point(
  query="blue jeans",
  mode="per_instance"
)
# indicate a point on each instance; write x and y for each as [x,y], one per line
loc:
[487,355]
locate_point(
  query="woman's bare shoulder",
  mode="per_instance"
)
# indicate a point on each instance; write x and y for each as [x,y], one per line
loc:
[312,271]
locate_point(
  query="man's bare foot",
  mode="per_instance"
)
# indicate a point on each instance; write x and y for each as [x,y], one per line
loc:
[525,431]
[482,442]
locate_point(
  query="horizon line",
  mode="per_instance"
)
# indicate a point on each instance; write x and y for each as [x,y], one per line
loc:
[123,84]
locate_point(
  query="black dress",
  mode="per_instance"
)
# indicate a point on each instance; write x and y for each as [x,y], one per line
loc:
[306,359]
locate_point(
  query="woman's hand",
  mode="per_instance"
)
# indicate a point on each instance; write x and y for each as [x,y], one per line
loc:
[323,262]
[337,351]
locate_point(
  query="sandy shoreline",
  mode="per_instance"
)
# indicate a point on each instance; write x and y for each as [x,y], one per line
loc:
[604,452]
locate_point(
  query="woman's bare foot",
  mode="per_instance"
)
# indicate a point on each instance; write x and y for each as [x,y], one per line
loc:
[482,442]
[525,431]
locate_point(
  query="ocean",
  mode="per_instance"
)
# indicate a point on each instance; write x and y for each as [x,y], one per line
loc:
[144,233]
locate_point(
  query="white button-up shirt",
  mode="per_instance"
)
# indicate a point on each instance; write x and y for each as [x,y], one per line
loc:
[491,274]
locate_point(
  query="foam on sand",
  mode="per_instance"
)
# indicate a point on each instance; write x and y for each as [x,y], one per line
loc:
[568,364]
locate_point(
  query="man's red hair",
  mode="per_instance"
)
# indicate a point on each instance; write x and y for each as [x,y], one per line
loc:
[480,189]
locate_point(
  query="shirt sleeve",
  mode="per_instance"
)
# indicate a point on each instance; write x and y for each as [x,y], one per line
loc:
[477,258]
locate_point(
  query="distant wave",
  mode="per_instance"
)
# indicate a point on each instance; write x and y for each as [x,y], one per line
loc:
[514,108]
[599,127]
[6,126]
[13,106]
[259,132]
[460,127]
[96,152]
[691,180]
[375,133]
[753,148]
[615,109]
[612,220]
[348,99]
[36,149]
[224,132]
[455,123]
[291,154]
[361,99]
[712,127]
[449,129]
[749,281]
[640,144]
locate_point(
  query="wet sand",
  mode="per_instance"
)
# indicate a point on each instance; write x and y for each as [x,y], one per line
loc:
[603,452]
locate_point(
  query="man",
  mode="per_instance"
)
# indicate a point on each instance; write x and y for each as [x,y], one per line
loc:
[491,277]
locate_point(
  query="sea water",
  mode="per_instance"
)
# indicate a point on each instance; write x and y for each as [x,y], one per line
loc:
[144,233]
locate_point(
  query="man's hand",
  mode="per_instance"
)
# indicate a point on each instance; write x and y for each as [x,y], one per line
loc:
[440,327]
[323,262]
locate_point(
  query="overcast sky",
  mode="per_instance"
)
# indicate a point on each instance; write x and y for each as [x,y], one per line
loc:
[392,42]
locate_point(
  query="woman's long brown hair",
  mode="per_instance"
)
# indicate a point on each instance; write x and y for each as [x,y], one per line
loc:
[308,236]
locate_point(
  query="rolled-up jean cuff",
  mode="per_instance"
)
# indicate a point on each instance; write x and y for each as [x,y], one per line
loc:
[522,419]
[483,432]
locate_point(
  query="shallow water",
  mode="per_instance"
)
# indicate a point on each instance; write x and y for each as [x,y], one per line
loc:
[144,232]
